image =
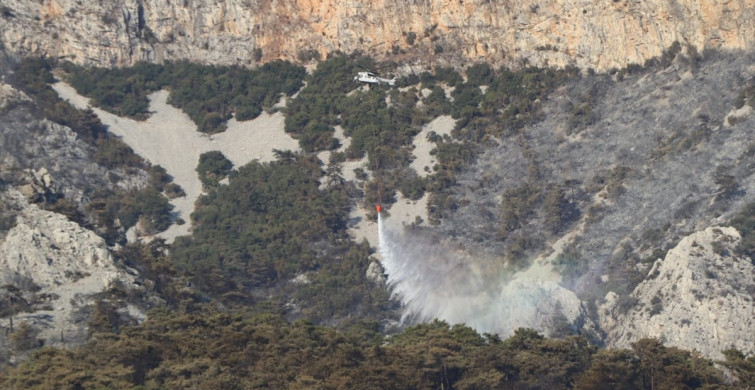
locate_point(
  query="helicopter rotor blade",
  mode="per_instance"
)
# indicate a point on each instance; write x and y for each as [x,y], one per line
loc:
[383,67]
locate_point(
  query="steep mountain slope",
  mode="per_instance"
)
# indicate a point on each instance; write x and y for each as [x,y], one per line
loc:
[29,144]
[60,270]
[56,272]
[604,35]
[645,161]
[575,203]
[623,197]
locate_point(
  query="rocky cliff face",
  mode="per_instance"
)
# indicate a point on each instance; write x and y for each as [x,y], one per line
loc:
[701,297]
[555,32]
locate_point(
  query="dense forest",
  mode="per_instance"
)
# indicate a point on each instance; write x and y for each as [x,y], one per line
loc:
[209,95]
[216,350]
[270,224]
[233,317]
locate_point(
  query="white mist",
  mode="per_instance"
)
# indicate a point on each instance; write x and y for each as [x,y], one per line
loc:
[433,281]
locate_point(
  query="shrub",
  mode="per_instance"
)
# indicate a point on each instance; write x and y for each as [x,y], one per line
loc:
[213,166]
[158,177]
[410,79]
[174,190]
[24,338]
[480,74]
[147,206]
[727,186]
[448,75]
[558,211]
[411,185]
[112,152]
[746,96]
[517,205]
[657,305]
[466,96]
[411,37]
[308,55]
[744,222]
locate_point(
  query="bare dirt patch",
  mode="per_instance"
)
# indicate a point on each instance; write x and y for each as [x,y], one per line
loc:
[169,138]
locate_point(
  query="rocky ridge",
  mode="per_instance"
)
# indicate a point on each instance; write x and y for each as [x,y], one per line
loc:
[555,32]
[44,156]
[52,269]
[701,296]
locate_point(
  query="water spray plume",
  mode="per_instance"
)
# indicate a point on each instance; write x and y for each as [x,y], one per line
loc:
[433,280]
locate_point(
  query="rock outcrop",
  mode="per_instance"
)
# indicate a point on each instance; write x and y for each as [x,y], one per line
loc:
[541,305]
[700,297]
[60,265]
[38,185]
[42,157]
[557,32]
[10,96]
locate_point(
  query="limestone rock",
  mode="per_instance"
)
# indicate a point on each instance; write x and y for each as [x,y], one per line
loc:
[701,297]
[65,261]
[375,273]
[301,279]
[738,115]
[10,95]
[38,185]
[538,304]
[600,35]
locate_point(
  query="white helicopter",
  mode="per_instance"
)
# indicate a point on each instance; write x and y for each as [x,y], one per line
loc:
[372,78]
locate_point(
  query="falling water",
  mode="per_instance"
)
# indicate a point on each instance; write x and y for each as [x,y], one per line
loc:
[432,281]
